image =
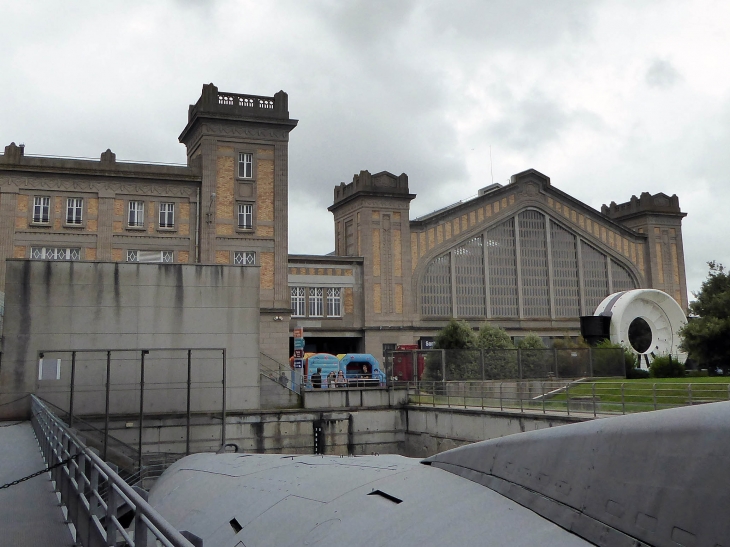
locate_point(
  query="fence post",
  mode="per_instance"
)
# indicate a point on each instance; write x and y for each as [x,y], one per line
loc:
[223,411]
[111,510]
[433,393]
[623,401]
[593,396]
[443,365]
[555,358]
[481,361]
[141,406]
[567,397]
[187,417]
[519,363]
[500,396]
[140,528]
[520,392]
[73,386]
[590,362]
[106,406]
[543,397]
[653,394]
[689,393]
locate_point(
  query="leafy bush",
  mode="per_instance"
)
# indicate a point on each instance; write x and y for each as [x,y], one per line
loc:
[462,362]
[636,373]
[665,366]
[499,364]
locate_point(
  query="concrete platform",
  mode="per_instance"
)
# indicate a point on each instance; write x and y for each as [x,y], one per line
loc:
[30,514]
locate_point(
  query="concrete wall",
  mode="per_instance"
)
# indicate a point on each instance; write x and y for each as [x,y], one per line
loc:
[430,431]
[273,432]
[349,398]
[57,306]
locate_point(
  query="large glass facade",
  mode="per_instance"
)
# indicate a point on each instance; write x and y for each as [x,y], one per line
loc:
[533,268]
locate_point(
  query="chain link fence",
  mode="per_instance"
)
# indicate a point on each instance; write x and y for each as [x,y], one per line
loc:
[503,364]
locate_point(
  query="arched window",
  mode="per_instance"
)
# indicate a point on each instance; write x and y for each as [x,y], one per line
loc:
[528,266]
[436,288]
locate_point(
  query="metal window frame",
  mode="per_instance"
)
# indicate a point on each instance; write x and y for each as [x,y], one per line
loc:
[167,210]
[315,300]
[295,301]
[245,160]
[242,213]
[334,302]
[40,207]
[138,213]
[72,209]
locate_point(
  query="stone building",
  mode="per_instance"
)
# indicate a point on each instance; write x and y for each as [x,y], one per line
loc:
[524,256]
[228,205]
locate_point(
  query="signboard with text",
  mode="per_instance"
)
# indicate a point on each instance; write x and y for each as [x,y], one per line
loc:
[298,363]
[298,354]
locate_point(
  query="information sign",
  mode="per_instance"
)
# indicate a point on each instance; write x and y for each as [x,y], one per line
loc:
[298,363]
[299,343]
[299,332]
[298,354]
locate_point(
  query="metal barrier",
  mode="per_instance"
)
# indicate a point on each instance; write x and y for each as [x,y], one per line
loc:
[101,506]
[568,396]
[503,364]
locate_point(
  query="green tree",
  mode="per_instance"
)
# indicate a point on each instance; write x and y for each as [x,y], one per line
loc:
[459,341]
[706,337]
[611,363]
[500,359]
[535,360]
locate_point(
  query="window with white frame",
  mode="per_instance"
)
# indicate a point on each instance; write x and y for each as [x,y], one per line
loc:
[334,302]
[74,210]
[149,256]
[297,302]
[41,209]
[244,258]
[136,213]
[315,301]
[245,165]
[55,253]
[245,216]
[167,215]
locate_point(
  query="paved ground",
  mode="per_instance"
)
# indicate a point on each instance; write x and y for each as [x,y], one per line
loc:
[29,512]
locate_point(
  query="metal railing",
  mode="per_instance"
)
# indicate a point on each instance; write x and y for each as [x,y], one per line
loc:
[102,507]
[504,364]
[570,396]
[277,372]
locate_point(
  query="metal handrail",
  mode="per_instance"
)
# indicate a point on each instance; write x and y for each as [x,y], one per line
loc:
[579,397]
[93,515]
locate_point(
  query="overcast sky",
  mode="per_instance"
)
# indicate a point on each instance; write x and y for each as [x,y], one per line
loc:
[609,99]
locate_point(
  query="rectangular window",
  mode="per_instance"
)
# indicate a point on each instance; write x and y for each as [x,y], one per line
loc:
[315,301]
[149,256]
[334,302]
[136,213]
[245,216]
[297,302]
[41,209]
[245,165]
[167,215]
[74,210]
[244,258]
[54,253]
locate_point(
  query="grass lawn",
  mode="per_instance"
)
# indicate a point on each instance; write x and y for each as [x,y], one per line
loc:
[611,395]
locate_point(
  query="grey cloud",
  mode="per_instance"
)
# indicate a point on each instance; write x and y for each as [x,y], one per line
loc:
[662,74]
[537,120]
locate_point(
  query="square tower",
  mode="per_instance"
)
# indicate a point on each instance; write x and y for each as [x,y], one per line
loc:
[240,144]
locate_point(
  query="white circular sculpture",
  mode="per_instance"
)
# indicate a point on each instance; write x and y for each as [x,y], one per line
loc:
[645,320]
